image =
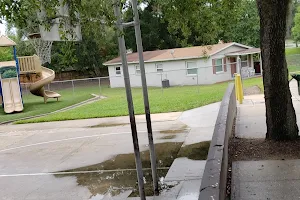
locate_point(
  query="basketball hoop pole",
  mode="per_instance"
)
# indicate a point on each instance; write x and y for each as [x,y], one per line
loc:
[136,24]
[136,147]
[139,44]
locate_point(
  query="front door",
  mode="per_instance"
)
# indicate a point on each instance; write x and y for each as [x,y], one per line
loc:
[233,65]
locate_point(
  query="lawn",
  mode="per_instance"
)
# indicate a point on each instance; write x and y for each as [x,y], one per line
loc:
[292,51]
[34,105]
[170,100]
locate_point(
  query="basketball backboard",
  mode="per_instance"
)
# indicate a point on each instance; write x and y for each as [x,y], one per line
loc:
[60,28]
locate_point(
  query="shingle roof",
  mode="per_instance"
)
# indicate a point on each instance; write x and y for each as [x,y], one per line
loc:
[244,52]
[6,42]
[134,57]
[176,54]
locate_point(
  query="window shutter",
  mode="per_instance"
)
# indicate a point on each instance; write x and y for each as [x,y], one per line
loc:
[214,66]
[225,65]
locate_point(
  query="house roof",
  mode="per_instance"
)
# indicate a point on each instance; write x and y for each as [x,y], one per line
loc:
[6,42]
[244,52]
[176,54]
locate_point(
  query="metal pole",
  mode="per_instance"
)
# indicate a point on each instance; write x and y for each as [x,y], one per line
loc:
[99,86]
[161,80]
[198,80]
[73,87]
[122,49]
[139,45]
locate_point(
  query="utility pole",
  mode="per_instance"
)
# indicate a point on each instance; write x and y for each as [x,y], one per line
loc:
[122,49]
[145,93]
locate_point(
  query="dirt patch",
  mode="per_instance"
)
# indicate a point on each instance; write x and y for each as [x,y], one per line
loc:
[197,151]
[262,149]
[252,90]
[108,125]
[182,129]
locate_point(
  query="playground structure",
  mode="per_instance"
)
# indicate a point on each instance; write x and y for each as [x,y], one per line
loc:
[22,70]
[10,89]
[32,72]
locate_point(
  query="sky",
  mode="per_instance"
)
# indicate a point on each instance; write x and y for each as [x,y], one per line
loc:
[2,29]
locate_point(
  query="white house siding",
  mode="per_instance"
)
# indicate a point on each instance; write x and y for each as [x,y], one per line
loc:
[223,76]
[176,72]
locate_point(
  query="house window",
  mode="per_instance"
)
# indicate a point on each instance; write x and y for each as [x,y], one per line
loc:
[219,65]
[192,68]
[244,61]
[118,71]
[137,70]
[159,68]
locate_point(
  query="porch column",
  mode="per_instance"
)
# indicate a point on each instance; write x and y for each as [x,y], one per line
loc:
[251,61]
[238,64]
[261,64]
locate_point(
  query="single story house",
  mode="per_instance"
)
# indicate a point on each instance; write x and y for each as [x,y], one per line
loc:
[189,66]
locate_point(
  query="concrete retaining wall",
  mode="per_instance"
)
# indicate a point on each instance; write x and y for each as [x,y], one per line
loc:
[213,186]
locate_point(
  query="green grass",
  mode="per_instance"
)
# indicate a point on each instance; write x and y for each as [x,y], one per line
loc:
[171,100]
[34,105]
[292,51]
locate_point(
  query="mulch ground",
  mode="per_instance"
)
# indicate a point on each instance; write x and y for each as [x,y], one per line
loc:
[262,149]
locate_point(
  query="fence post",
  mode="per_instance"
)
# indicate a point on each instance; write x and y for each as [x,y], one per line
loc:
[73,87]
[99,87]
[161,80]
[198,80]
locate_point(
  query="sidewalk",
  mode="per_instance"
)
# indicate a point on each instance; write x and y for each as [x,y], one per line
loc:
[265,179]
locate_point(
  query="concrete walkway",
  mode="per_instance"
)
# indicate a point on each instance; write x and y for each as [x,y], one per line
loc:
[263,180]
[33,156]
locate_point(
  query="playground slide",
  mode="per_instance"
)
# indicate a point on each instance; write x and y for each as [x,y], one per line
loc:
[11,95]
[37,88]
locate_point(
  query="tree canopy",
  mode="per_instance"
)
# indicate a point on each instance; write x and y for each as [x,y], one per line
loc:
[164,23]
[296,28]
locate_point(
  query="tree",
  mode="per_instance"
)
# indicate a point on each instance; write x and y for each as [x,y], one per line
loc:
[6,54]
[200,22]
[280,112]
[64,57]
[154,29]
[296,28]
[99,40]
[290,21]
[246,28]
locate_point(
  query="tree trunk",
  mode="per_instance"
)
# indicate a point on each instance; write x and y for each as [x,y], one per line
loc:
[280,112]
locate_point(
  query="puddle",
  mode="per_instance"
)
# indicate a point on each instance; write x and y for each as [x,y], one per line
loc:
[182,129]
[102,125]
[120,180]
[169,137]
[197,151]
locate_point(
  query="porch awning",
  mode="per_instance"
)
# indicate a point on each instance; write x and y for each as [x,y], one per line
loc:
[244,52]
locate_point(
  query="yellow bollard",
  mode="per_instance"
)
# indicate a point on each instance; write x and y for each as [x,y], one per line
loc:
[240,89]
[236,86]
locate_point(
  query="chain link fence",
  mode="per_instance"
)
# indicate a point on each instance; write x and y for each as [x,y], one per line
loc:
[193,76]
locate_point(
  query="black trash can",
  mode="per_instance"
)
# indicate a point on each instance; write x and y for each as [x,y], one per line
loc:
[165,83]
[297,78]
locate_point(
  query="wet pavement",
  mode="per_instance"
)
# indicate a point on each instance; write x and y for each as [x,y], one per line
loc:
[271,179]
[92,159]
[251,115]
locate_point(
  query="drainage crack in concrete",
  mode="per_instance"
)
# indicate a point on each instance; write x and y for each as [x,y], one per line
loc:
[77,172]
